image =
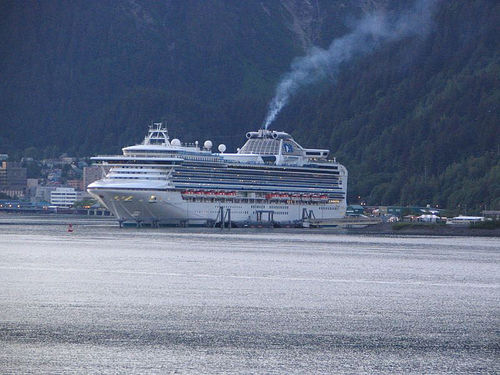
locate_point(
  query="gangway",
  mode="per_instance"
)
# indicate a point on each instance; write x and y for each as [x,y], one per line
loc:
[222,216]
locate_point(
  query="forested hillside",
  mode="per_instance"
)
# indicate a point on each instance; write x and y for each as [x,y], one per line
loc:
[418,122]
[415,122]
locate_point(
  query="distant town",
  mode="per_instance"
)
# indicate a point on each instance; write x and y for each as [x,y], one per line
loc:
[47,183]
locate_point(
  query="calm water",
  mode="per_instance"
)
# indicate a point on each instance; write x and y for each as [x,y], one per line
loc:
[107,300]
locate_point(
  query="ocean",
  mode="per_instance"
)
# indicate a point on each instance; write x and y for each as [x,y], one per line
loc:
[105,300]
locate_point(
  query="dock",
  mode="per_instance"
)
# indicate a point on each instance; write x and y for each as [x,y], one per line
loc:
[348,222]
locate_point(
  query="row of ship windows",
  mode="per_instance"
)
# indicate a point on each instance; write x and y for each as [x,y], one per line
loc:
[232,179]
[204,159]
[313,174]
[141,172]
[253,200]
[153,198]
[289,169]
[262,191]
[137,178]
[138,167]
[255,182]
[171,154]
[328,170]
[220,181]
[238,212]
[255,186]
[215,212]
[220,177]
[226,177]
[229,176]
[216,171]
[141,167]
[138,175]
[265,172]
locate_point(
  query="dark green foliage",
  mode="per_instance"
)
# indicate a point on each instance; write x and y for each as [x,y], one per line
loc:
[89,76]
[84,202]
[415,123]
[33,169]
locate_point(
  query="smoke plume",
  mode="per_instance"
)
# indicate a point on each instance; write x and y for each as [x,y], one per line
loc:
[367,35]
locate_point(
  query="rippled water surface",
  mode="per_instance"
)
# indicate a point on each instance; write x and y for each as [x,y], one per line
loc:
[106,300]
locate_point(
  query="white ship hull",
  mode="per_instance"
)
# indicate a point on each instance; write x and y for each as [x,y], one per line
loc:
[168,207]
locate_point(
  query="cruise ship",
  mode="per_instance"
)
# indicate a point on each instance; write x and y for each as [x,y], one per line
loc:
[271,178]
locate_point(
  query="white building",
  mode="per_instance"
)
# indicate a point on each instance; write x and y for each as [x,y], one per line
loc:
[428,218]
[64,196]
[464,220]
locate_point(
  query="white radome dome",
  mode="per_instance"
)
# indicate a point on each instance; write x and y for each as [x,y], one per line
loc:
[222,148]
[208,145]
[175,142]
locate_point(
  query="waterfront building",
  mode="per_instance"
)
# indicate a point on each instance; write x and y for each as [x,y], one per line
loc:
[464,220]
[31,187]
[64,196]
[355,210]
[429,218]
[12,179]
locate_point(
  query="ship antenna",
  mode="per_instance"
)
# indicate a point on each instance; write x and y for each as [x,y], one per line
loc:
[157,134]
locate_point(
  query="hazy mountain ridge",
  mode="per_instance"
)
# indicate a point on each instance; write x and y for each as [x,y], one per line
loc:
[85,77]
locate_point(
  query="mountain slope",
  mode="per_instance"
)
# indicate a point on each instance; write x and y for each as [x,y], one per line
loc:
[403,117]
[85,77]
[113,66]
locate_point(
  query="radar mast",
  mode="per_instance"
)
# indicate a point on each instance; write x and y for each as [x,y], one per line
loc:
[157,135]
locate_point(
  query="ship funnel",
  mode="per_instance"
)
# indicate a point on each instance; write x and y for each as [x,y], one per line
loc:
[280,135]
[252,135]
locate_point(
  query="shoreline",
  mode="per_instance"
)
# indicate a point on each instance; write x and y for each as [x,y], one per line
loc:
[377,229]
[428,230]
